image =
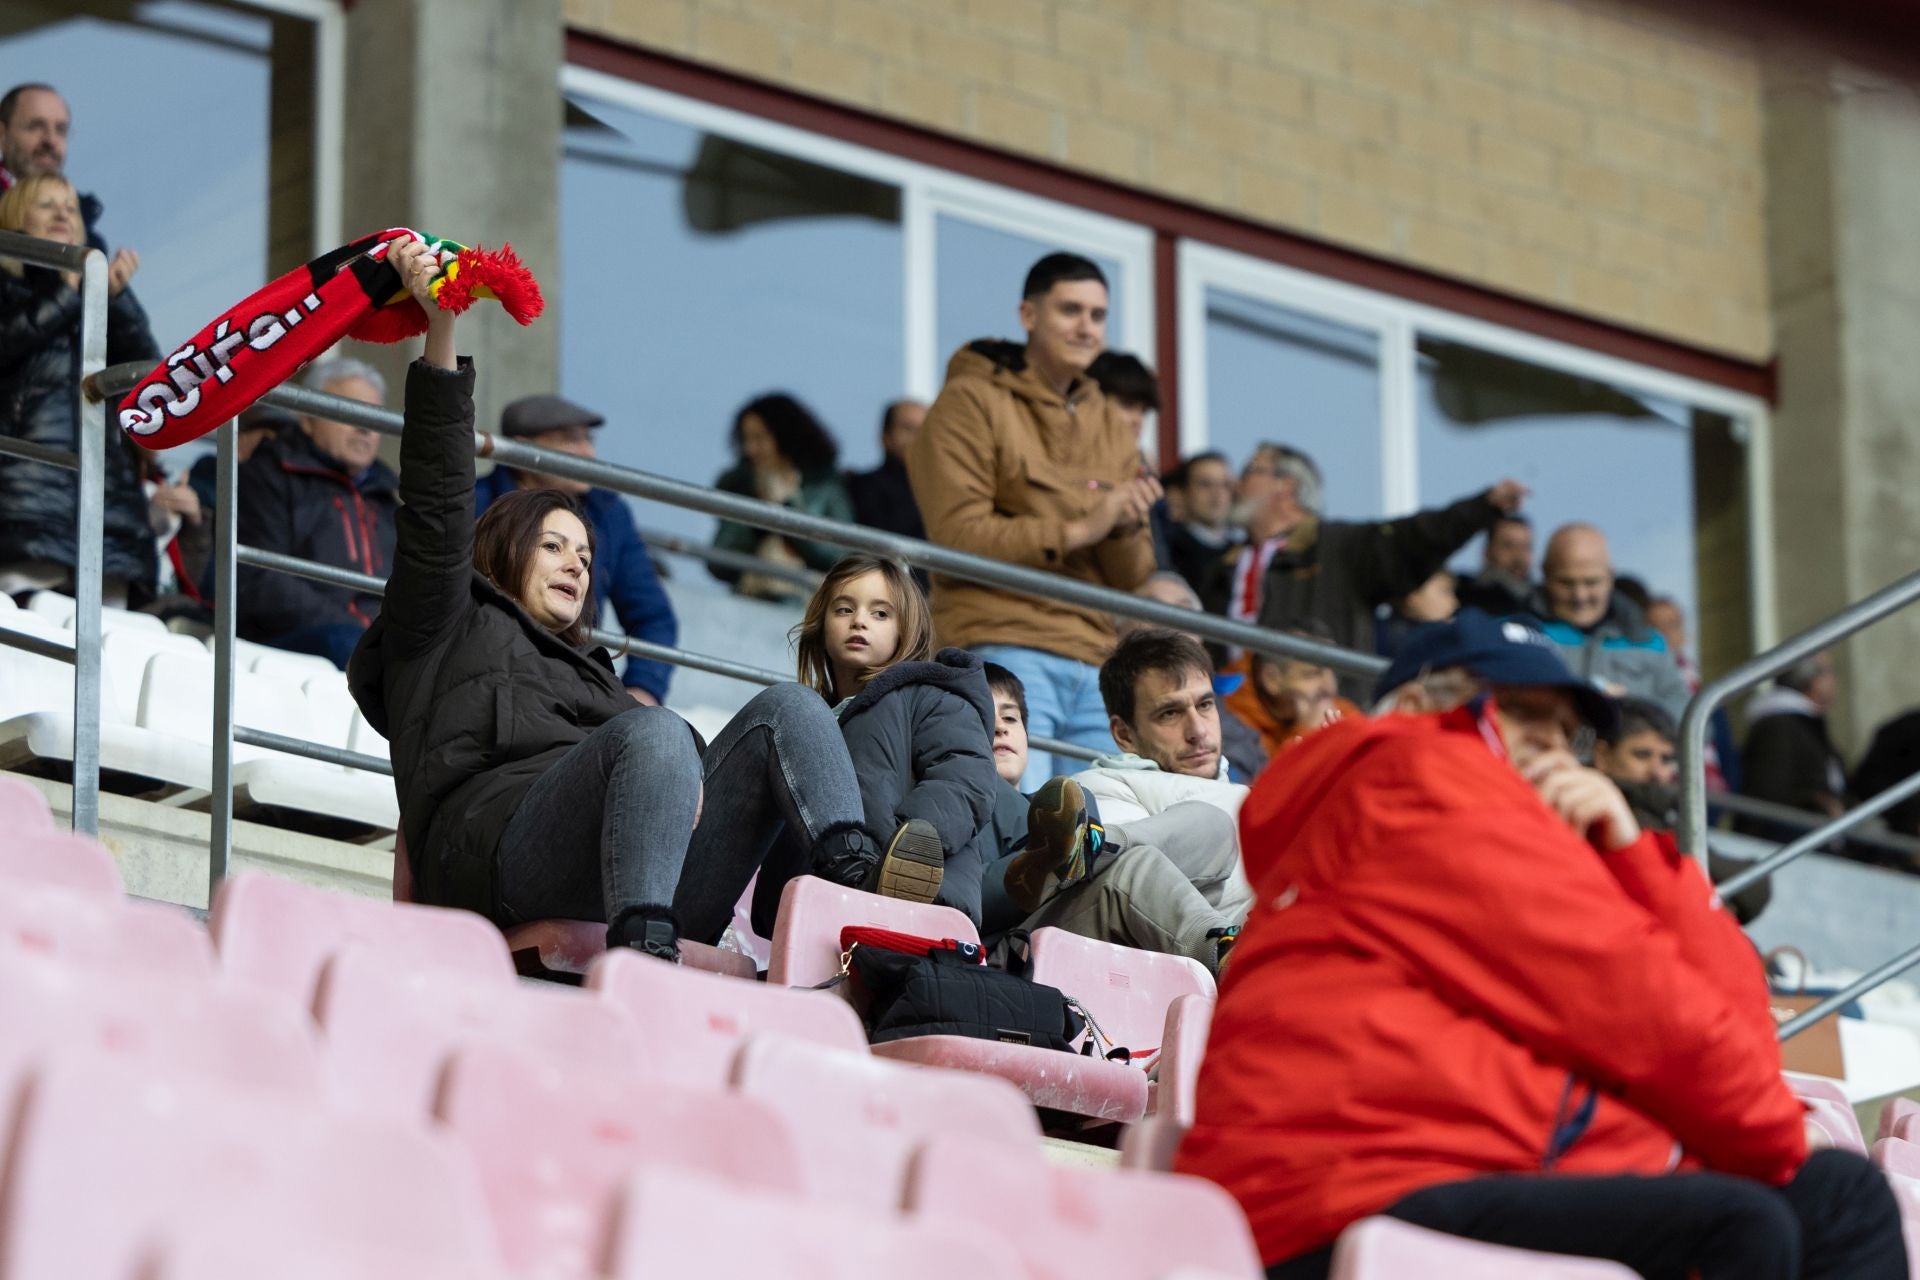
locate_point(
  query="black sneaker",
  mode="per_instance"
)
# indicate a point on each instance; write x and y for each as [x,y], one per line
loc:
[649,930]
[1061,842]
[913,864]
[848,857]
[1222,940]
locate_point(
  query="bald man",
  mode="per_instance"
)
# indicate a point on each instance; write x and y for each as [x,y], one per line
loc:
[1603,635]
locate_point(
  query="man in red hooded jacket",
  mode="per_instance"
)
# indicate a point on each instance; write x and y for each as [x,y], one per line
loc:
[1473,995]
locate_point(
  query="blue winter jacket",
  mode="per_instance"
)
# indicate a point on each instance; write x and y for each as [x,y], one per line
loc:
[622,573]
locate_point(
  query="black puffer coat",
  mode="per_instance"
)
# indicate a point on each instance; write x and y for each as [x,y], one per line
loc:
[39,378]
[475,698]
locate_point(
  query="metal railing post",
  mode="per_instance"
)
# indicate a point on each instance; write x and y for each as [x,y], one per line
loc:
[226,540]
[91,425]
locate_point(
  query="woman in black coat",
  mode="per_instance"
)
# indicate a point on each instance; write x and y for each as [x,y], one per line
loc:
[39,387]
[531,783]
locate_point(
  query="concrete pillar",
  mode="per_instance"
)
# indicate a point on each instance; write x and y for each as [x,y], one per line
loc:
[453,126]
[1843,171]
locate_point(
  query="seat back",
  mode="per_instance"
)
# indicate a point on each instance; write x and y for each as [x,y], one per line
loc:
[279,934]
[62,858]
[1070,1220]
[858,1119]
[1182,1048]
[104,933]
[125,653]
[1829,1109]
[23,808]
[29,682]
[676,1223]
[1897,1155]
[1127,990]
[53,607]
[330,709]
[1152,1143]
[806,936]
[1388,1249]
[694,1023]
[554,1143]
[1895,1111]
[107,1162]
[389,1030]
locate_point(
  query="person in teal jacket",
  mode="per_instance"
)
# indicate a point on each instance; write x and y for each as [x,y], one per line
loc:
[786,456]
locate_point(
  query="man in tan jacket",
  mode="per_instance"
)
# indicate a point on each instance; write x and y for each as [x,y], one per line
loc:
[1023,459]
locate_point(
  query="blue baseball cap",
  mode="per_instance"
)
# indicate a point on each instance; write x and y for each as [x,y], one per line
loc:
[1506,651]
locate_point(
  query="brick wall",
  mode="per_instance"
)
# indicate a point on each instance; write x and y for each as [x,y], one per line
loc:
[1574,154]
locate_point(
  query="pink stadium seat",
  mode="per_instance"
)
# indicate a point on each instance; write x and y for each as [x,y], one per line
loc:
[554,1145]
[107,1162]
[1152,1143]
[565,949]
[806,935]
[1183,1047]
[806,952]
[59,857]
[227,1033]
[1128,991]
[683,1225]
[693,1023]
[23,808]
[279,934]
[1893,1114]
[1828,1109]
[388,1032]
[1897,1155]
[1906,1193]
[1387,1249]
[857,1120]
[95,931]
[1069,1221]
[208,1247]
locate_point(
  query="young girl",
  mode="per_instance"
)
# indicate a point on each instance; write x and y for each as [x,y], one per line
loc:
[918,725]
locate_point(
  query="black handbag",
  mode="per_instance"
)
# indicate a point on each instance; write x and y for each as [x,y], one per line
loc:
[905,986]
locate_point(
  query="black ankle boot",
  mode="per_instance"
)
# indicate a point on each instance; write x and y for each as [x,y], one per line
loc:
[650,930]
[848,856]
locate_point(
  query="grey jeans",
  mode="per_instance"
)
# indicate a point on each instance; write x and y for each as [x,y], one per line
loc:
[630,791]
[1161,884]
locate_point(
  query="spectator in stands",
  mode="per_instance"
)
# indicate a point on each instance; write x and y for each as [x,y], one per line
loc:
[319,492]
[256,424]
[998,911]
[918,725]
[1024,459]
[883,498]
[1142,848]
[1298,565]
[1434,600]
[1239,741]
[1473,994]
[787,457]
[1285,699]
[1639,755]
[1505,581]
[531,785]
[1199,539]
[623,571]
[1723,755]
[34,124]
[1128,385]
[39,386]
[1789,758]
[1892,757]
[1602,634]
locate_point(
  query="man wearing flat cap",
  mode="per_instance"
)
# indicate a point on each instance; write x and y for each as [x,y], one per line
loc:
[622,570]
[1474,995]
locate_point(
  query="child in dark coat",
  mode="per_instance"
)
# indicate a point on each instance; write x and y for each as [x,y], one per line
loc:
[918,724]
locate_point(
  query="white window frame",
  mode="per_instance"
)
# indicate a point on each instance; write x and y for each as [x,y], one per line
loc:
[329,18]
[1397,322]
[926,194]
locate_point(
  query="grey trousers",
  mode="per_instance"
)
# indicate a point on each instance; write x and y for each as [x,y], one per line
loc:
[1160,884]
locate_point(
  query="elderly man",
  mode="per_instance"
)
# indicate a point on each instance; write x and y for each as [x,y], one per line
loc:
[1474,995]
[1603,636]
[623,572]
[1024,459]
[319,492]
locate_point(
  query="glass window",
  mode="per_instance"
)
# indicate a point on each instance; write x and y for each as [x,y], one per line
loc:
[698,272]
[1275,374]
[979,273]
[202,240]
[1590,451]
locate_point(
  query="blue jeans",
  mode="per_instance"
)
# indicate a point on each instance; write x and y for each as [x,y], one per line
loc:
[1063,701]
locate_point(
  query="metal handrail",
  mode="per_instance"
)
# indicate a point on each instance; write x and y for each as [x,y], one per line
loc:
[1821,835]
[89,460]
[797,524]
[1785,815]
[707,553]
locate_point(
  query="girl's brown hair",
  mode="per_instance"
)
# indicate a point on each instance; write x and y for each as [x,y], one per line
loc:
[507,536]
[915,617]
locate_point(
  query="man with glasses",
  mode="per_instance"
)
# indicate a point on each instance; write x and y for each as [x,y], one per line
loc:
[1467,968]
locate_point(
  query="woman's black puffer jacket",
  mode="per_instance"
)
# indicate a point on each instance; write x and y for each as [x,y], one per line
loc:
[39,380]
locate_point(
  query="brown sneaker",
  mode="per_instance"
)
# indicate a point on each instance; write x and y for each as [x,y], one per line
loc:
[913,864]
[1058,840]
